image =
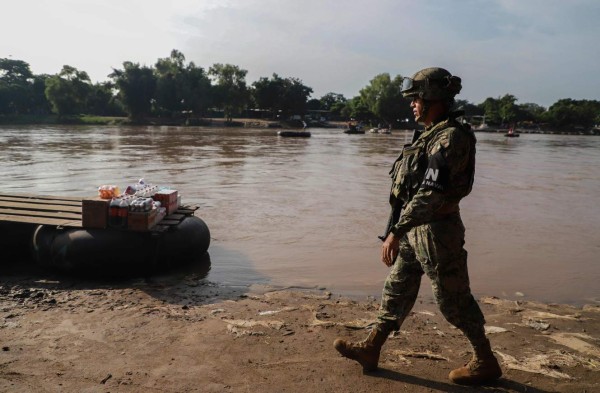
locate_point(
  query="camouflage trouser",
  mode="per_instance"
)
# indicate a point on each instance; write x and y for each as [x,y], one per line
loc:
[436,249]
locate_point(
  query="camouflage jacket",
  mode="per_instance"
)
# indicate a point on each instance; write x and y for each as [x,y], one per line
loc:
[432,175]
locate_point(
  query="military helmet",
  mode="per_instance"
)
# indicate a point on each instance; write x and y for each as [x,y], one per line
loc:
[432,83]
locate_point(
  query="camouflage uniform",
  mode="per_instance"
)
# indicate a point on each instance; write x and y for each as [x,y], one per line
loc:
[429,179]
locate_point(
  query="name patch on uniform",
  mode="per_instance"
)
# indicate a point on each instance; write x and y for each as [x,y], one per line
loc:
[437,173]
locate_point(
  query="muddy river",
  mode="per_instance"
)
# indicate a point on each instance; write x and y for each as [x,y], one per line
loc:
[307,211]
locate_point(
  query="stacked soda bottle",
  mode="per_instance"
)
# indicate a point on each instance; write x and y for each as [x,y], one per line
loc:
[114,220]
[138,197]
[141,189]
[139,204]
[118,211]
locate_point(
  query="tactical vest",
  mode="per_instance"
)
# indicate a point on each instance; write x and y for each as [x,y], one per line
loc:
[409,169]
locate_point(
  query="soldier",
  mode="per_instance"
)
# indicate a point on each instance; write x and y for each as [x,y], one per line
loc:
[425,233]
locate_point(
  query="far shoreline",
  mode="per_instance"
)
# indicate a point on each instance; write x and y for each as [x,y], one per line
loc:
[83,120]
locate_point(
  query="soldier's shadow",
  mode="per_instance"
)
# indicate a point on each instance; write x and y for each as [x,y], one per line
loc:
[500,386]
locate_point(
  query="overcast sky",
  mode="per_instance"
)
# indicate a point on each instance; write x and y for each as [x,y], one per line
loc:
[538,50]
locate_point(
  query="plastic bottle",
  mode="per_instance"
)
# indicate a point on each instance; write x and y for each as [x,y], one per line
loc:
[113,213]
[108,191]
[123,213]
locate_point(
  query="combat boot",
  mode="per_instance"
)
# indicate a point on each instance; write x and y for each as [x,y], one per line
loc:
[365,352]
[482,368]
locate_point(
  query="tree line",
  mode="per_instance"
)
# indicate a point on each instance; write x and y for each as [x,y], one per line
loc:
[174,88]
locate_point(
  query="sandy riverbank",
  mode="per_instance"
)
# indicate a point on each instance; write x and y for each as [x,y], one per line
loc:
[183,333]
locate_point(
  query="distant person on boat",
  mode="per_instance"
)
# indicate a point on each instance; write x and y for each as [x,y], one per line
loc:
[425,233]
[303,125]
[511,132]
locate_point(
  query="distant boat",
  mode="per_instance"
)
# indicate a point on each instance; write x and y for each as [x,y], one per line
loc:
[380,131]
[354,131]
[511,133]
[294,134]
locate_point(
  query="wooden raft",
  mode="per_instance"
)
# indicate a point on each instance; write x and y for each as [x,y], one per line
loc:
[64,211]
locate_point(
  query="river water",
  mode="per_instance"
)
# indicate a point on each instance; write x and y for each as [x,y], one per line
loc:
[307,212]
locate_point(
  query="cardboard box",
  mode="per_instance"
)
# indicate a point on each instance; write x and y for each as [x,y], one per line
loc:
[142,221]
[166,196]
[172,207]
[168,199]
[94,213]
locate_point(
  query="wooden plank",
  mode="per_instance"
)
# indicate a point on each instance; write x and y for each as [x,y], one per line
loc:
[49,197]
[41,220]
[65,211]
[5,199]
[175,216]
[187,208]
[165,221]
[184,211]
[36,206]
[17,212]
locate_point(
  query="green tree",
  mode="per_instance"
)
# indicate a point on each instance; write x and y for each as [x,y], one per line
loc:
[231,92]
[337,109]
[334,103]
[197,90]
[383,98]
[181,87]
[500,110]
[170,81]
[102,100]
[268,94]
[284,96]
[357,109]
[14,71]
[314,104]
[136,85]
[508,109]
[331,99]
[295,97]
[469,108]
[575,113]
[67,92]
[15,86]
[531,112]
[39,103]
[491,110]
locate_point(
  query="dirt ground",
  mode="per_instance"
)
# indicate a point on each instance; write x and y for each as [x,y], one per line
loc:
[183,333]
